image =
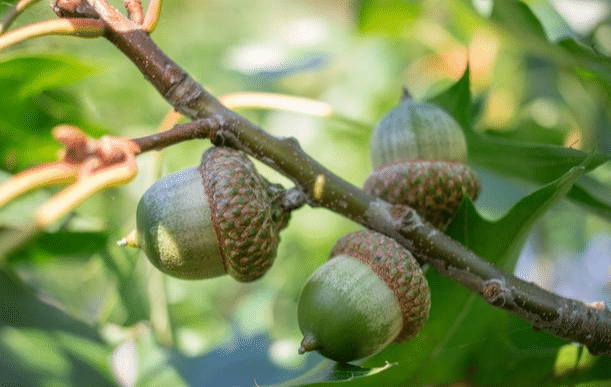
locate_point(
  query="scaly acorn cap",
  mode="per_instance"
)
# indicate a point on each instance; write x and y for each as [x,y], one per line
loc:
[218,218]
[433,188]
[246,225]
[370,293]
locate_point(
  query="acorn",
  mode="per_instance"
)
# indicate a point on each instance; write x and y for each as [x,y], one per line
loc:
[221,217]
[419,155]
[370,293]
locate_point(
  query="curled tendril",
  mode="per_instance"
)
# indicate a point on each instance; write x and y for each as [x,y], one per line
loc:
[83,25]
[89,165]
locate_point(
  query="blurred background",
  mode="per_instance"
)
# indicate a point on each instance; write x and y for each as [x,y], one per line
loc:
[76,309]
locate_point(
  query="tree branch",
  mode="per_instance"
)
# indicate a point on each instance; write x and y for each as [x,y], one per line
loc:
[570,319]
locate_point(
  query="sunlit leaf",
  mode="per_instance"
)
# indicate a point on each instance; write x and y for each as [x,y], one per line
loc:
[389,17]
[32,102]
[328,373]
[33,75]
[153,367]
[518,23]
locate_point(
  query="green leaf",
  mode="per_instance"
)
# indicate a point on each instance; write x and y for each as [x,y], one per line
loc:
[516,21]
[328,372]
[388,17]
[72,243]
[556,28]
[540,163]
[500,241]
[35,350]
[516,16]
[34,75]
[95,354]
[154,368]
[598,206]
[456,101]
[32,103]
[39,342]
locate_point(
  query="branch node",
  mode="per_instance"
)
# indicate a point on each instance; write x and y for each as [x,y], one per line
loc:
[496,293]
[293,198]
[134,10]
[74,8]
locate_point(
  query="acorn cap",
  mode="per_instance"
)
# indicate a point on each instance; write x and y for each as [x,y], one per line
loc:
[243,217]
[398,269]
[433,188]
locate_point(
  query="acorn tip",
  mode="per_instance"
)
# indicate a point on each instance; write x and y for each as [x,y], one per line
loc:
[131,240]
[307,344]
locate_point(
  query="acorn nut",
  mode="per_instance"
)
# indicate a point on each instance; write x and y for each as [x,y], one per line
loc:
[218,218]
[419,152]
[370,293]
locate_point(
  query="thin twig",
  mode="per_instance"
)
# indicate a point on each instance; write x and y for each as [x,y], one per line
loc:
[277,101]
[14,13]
[91,182]
[571,319]
[41,176]
[80,27]
[151,19]
[134,10]
[179,133]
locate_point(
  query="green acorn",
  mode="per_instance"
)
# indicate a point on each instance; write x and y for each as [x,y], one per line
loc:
[370,293]
[218,218]
[419,152]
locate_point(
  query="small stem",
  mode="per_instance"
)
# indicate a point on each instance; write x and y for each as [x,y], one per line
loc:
[14,13]
[134,10]
[41,176]
[84,28]
[277,101]
[182,132]
[151,19]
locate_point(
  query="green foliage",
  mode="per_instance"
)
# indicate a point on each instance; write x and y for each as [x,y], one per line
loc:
[32,102]
[75,309]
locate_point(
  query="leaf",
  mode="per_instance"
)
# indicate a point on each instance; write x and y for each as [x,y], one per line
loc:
[500,241]
[36,74]
[32,102]
[516,16]
[388,17]
[556,28]
[72,243]
[39,342]
[92,353]
[328,372]
[540,163]
[519,24]
[37,244]
[153,364]
[595,205]
[456,101]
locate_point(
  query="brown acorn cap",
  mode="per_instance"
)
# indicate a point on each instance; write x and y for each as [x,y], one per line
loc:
[433,188]
[398,269]
[242,212]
